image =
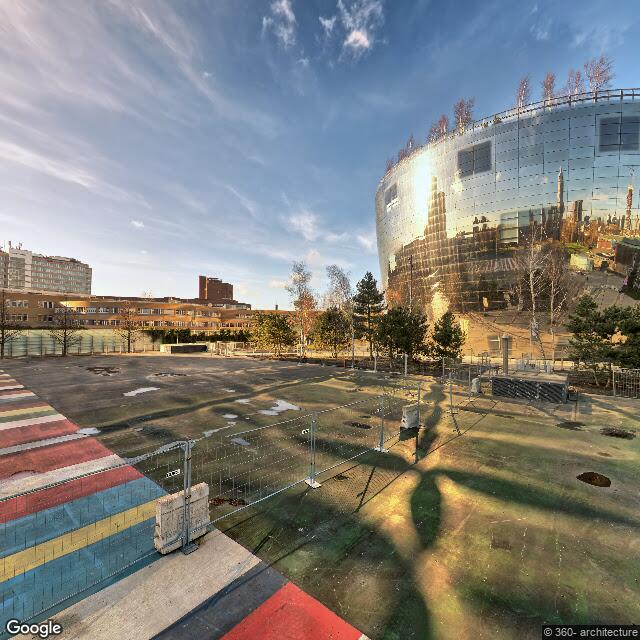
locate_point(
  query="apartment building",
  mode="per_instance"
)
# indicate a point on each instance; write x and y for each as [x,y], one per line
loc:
[23,270]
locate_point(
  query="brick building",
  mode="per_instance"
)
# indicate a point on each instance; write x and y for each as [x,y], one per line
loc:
[214,290]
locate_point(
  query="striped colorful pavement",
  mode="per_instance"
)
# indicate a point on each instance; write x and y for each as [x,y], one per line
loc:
[261,604]
[68,535]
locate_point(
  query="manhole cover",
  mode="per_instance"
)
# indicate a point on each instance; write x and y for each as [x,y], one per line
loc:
[616,432]
[168,374]
[594,478]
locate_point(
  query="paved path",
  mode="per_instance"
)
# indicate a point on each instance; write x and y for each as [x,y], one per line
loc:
[61,535]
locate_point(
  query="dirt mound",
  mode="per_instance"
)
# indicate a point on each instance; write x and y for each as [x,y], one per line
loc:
[616,432]
[594,478]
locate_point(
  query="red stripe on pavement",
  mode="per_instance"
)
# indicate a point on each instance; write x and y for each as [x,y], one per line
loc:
[35,432]
[24,505]
[291,614]
[52,457]
[23,403]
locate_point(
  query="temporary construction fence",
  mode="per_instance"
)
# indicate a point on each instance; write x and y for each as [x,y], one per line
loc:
[73,535]
[626,383]
[85,342]
[243,468]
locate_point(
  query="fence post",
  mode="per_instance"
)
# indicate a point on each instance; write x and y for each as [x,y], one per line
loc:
[419,390]
[380,446]
[442,369]
[311,480]
[405,364]
[614,382]
[187,545]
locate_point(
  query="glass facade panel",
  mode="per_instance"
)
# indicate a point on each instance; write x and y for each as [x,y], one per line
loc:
[463,208]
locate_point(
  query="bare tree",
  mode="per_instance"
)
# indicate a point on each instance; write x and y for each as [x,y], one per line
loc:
[523,95]
[559,289]
[66,329]
[129,324]
[530,270]
[438,129]
[549,86]
[9,328]
[304,301]
[340,295]
[574,84]
[463,113]
[599,72]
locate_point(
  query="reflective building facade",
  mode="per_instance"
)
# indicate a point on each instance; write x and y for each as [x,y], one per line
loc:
[451,215]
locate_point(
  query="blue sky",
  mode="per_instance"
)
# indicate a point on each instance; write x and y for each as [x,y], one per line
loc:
[158,141]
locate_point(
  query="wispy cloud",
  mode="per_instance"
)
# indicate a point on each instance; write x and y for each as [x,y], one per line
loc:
[137,224]
[282,22]
[328,24]
[305,223]
[360,19]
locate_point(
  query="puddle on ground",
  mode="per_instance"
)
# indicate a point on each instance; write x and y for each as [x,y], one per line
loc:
[604,454]
[241,441]
[104,371]
[358,425]
[500,544]
[137,392]
[340,476]
[616,432]
[594,478]
[243,401]
[229,416]
[89,431]
[279,407]
[229,390]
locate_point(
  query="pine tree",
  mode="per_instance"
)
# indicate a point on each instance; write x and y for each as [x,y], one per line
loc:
[332,330]
[368,305]
[447,338]
[402,331]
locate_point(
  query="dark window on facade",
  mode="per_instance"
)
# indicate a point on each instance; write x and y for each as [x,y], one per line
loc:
[475,159]
[619,134]
[390,194]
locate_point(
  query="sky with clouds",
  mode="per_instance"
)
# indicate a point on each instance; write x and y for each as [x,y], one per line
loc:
[162,140]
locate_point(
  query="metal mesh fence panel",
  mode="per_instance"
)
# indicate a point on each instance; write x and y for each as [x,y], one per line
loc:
[626,383]
[244,468]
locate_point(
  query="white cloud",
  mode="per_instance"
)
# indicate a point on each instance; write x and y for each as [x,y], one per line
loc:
[137,224]
[357,40]
[367,241]
[328,24]
[277,284]
[282,22]
[304,223]
[360,20]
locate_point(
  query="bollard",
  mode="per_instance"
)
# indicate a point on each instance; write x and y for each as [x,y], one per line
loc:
[405,365]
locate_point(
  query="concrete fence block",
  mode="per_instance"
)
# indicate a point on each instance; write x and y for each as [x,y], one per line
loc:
[410,417]
[170,518]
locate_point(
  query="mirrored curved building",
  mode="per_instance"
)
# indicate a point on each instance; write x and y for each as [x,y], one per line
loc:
[452,215]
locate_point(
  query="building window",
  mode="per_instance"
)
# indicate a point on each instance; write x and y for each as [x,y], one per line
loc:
[391,196]
[475,159]
[619,133]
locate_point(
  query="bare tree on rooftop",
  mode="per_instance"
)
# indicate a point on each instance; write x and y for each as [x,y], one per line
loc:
[438,129]
[9,328]
[463,113]
[599,72]
[574,84]
[549,86]
[523,94]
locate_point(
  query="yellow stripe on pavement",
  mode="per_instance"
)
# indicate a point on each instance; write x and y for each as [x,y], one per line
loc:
[17,412]
[40,554]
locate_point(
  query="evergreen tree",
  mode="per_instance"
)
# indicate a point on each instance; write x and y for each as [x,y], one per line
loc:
[332,330]
[368,305]
[402,331]
[447,338]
